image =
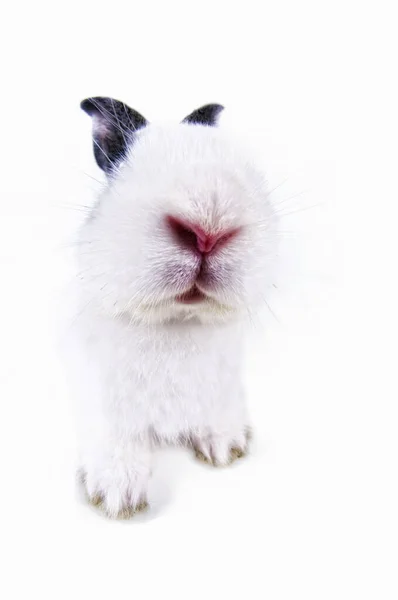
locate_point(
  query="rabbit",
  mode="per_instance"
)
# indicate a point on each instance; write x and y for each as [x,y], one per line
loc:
[173,259]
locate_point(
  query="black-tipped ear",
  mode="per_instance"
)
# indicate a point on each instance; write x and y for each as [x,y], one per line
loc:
[205,115]
[114,125]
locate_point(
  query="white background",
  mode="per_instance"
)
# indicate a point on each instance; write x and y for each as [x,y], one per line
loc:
[312,513]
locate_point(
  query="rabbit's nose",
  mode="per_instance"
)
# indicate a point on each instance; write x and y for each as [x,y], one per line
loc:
[193,236]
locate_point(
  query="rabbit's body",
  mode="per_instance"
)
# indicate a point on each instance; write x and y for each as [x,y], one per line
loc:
[145,384]
[172,260]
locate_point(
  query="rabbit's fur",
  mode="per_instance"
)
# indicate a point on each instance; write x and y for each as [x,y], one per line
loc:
[149,368]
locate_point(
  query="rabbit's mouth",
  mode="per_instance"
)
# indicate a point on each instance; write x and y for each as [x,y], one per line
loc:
[192,304]
[192,296]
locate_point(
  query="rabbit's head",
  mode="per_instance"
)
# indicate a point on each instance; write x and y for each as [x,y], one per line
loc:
[180,231]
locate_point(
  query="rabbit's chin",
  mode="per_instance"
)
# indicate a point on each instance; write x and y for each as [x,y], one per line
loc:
[206,312]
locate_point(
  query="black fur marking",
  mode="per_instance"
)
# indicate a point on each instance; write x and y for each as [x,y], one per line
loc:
[114,124]
[205,115]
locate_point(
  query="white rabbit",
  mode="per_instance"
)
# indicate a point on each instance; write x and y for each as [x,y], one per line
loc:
[173,259]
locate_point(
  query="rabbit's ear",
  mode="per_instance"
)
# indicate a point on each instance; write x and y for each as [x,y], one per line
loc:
[205,115]
[114,125]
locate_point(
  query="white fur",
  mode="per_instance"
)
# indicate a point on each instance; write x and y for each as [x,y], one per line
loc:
[148,369]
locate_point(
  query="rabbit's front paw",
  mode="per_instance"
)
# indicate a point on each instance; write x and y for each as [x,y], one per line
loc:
[118,488]
[221,450]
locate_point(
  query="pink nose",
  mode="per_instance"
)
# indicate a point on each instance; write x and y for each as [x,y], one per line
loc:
[193,236]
